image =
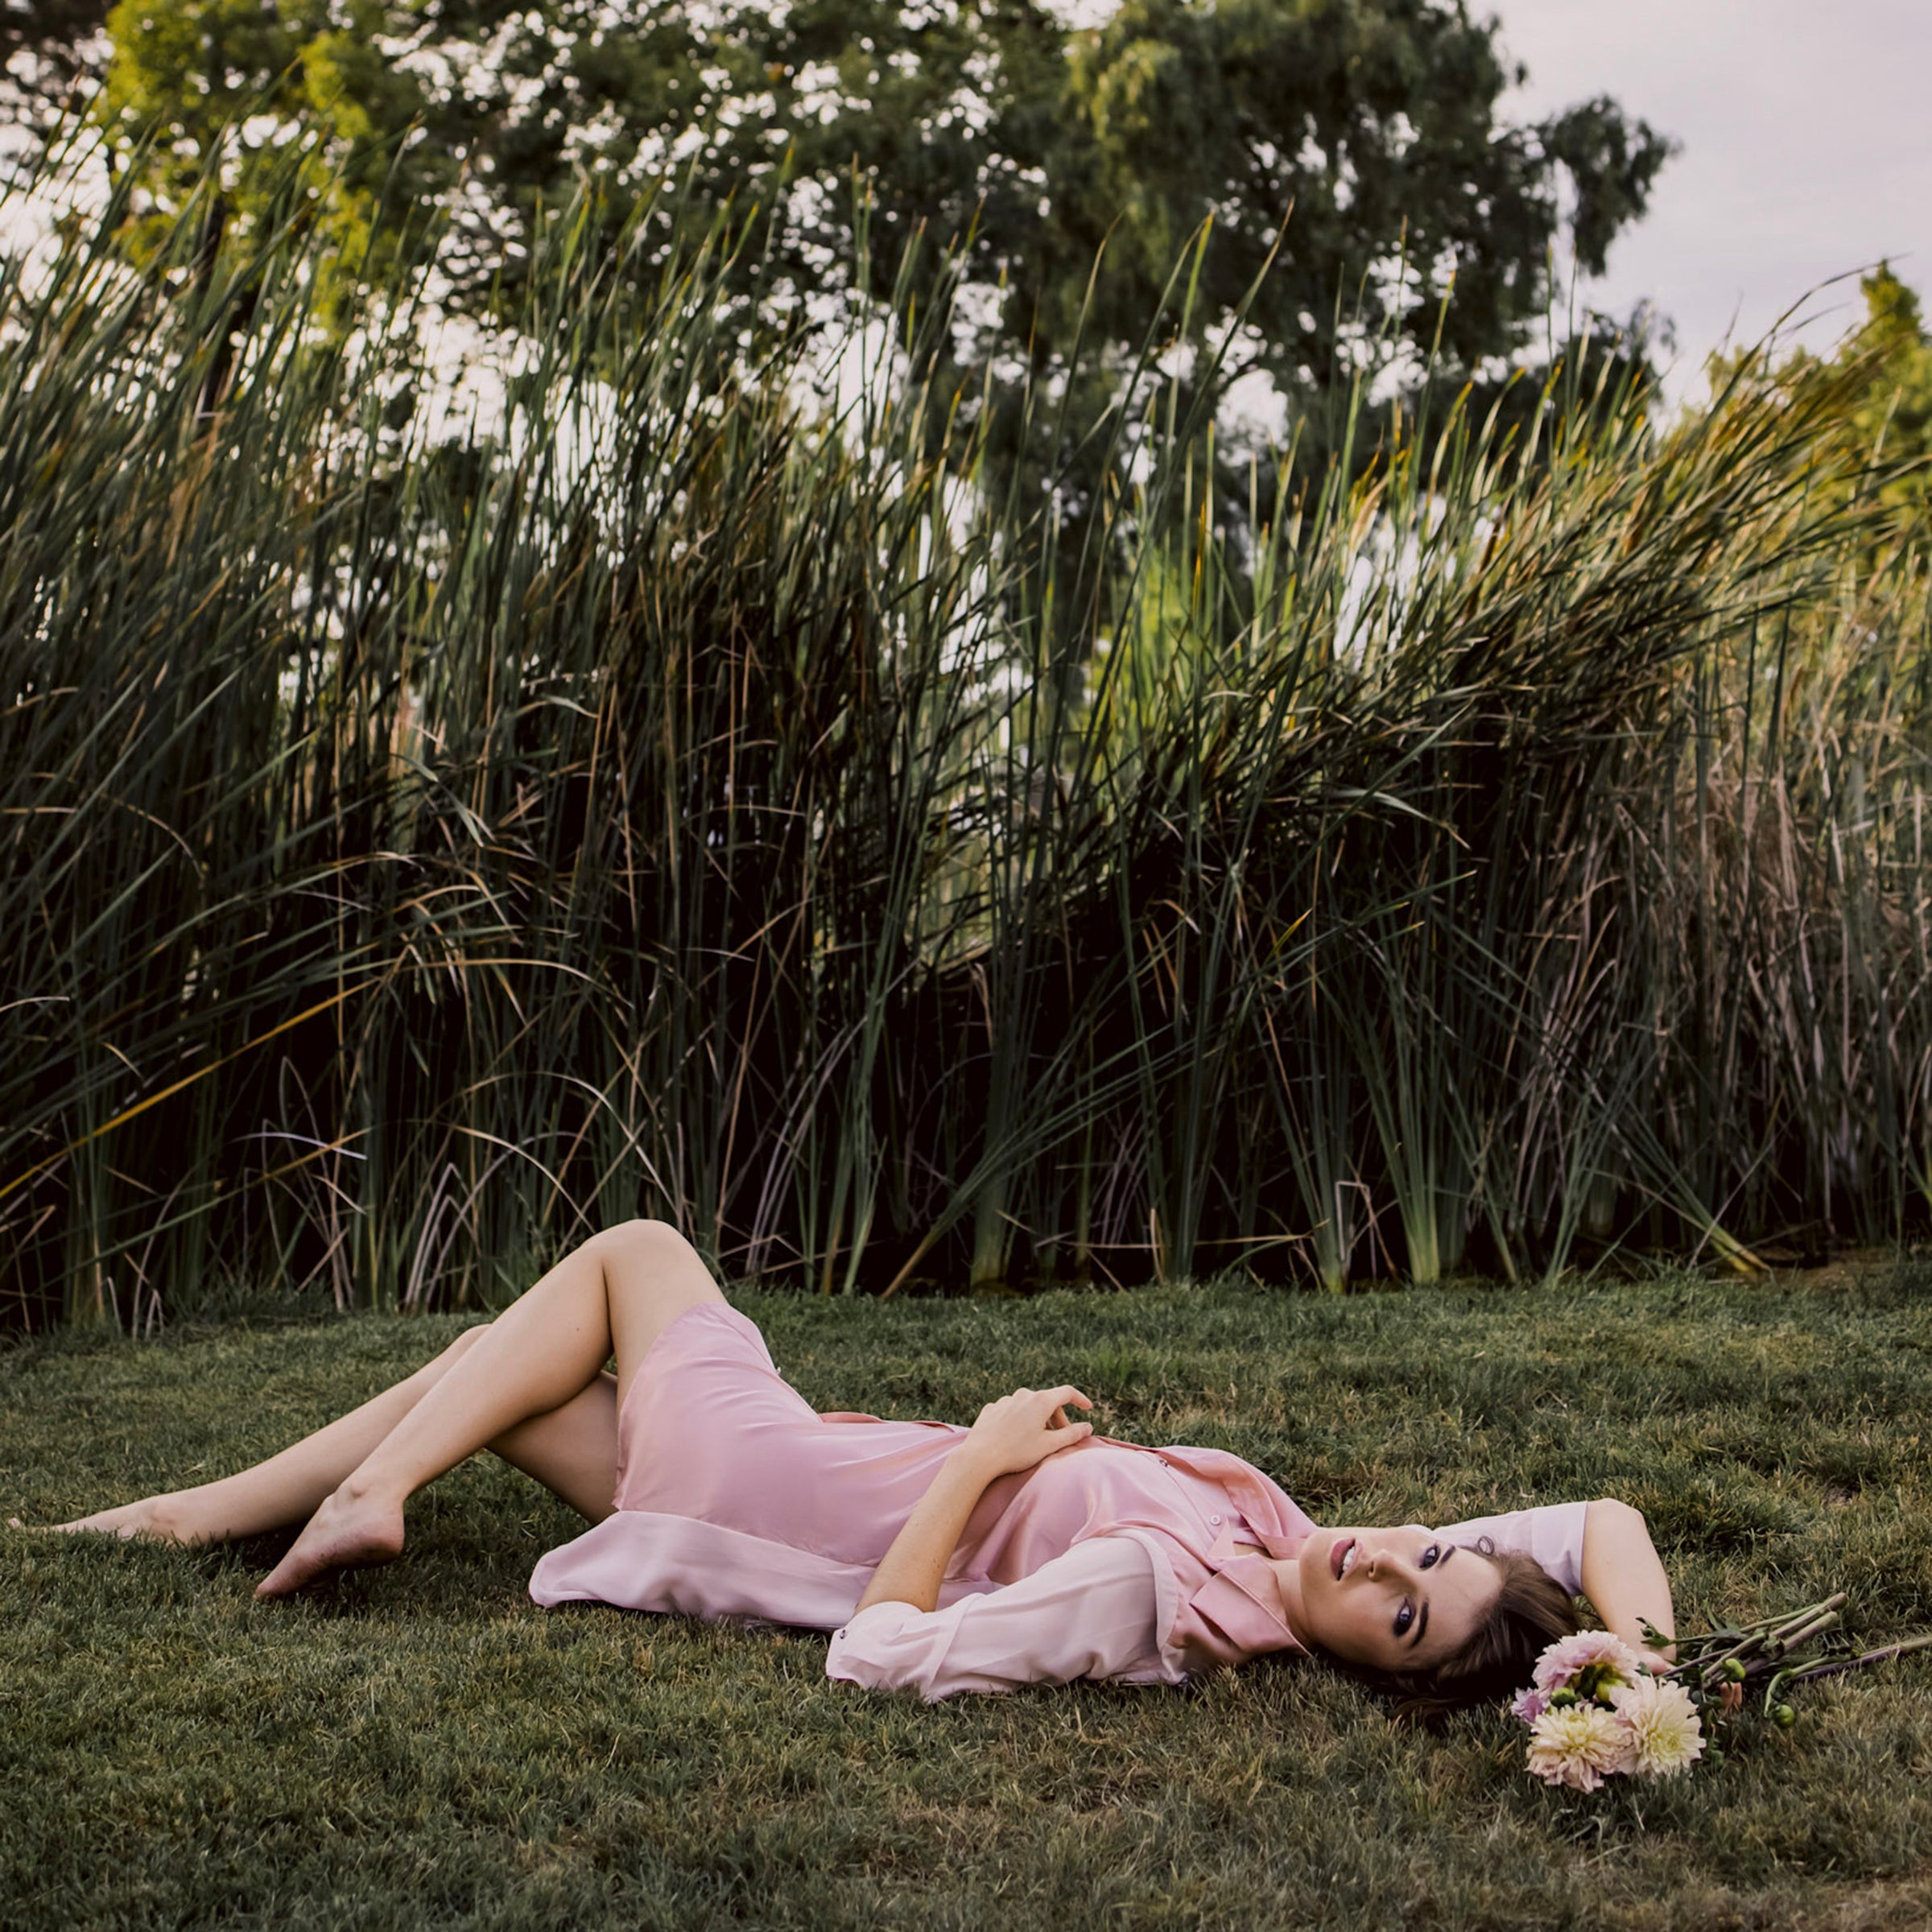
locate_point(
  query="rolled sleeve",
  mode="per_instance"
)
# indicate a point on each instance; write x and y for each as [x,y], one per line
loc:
[1091,1612]
[1551,1534]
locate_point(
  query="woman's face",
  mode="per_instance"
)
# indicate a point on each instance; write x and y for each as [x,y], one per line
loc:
[1393,1600]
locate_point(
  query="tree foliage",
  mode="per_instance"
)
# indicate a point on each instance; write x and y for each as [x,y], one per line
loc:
[1352,156]
[49,49]
[1894,418]
[1883,437]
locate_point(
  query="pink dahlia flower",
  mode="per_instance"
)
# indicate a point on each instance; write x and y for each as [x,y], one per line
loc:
[1564,1661]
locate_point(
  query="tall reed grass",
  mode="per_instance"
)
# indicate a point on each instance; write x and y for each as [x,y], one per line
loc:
[419,848]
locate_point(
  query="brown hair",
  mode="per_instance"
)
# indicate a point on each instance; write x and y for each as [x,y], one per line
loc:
[1531,1612]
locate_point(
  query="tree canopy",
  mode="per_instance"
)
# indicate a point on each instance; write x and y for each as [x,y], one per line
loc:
[1368,136]
[1882,439]
[1894,418]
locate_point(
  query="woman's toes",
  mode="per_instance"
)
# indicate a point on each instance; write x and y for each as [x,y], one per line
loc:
[130,1519]
[151,1517]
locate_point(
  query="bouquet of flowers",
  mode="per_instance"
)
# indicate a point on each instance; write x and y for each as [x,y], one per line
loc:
[1596,1711]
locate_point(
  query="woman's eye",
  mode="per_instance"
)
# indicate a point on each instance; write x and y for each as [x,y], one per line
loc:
[1404,1617]
[1430,1555]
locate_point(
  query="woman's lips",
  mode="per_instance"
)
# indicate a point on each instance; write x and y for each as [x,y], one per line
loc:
[1339,1554]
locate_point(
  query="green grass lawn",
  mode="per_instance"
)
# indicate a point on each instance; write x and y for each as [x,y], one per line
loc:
[420,1745]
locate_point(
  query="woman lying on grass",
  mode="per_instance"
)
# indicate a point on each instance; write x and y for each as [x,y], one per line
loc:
[1024,1550]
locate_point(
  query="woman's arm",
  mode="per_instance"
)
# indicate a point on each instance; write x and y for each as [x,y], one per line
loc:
[912,1569]
[1094,1611]
[1623,1575]
[1011,1434]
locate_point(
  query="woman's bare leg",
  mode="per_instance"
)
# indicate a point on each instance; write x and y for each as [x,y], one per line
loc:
[614,1294]
[287,1488]
[572,1451]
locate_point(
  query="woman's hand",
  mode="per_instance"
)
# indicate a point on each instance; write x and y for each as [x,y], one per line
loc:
[1013,1434]
[1024,1428]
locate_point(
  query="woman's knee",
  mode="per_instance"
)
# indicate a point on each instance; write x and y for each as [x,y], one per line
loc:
[648,1240]
[652,1259]
[464,1343]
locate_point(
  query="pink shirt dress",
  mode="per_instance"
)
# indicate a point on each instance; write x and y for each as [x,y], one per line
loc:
[735,1498]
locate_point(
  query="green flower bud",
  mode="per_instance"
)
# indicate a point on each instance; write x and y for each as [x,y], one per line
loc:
[1562,1700]
[1734,1669]
[1784,1715]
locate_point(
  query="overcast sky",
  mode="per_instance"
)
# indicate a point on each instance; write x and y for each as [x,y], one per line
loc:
[1806,133]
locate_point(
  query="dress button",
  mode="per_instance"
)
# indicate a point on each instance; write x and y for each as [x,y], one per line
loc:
[1214,1519]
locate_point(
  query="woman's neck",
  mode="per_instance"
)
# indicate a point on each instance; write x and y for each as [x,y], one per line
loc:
[1287,1575]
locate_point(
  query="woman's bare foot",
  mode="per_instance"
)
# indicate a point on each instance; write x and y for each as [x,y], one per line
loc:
[348,1532]
[131,1519]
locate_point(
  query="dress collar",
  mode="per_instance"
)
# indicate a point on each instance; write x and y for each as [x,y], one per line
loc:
[1242,1599]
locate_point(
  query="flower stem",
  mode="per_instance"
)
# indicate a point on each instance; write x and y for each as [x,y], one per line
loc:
[1885,1653]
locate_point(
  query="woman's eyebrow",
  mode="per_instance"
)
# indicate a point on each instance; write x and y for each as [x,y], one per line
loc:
[1421,1623]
